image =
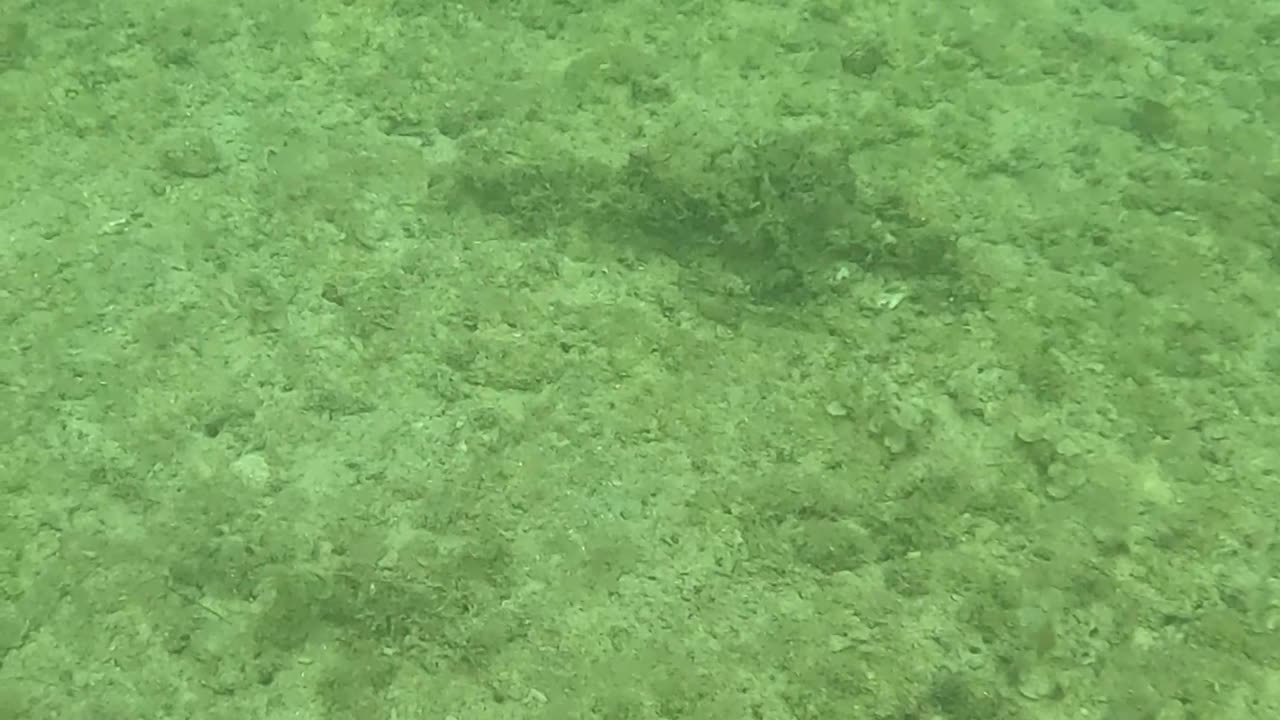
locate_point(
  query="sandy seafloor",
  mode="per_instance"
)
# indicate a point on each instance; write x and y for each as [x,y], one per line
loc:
[785,361]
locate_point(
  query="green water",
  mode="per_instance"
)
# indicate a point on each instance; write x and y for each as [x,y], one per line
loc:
[624,361]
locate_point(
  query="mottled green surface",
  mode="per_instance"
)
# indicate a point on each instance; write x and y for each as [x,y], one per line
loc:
[892,360]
